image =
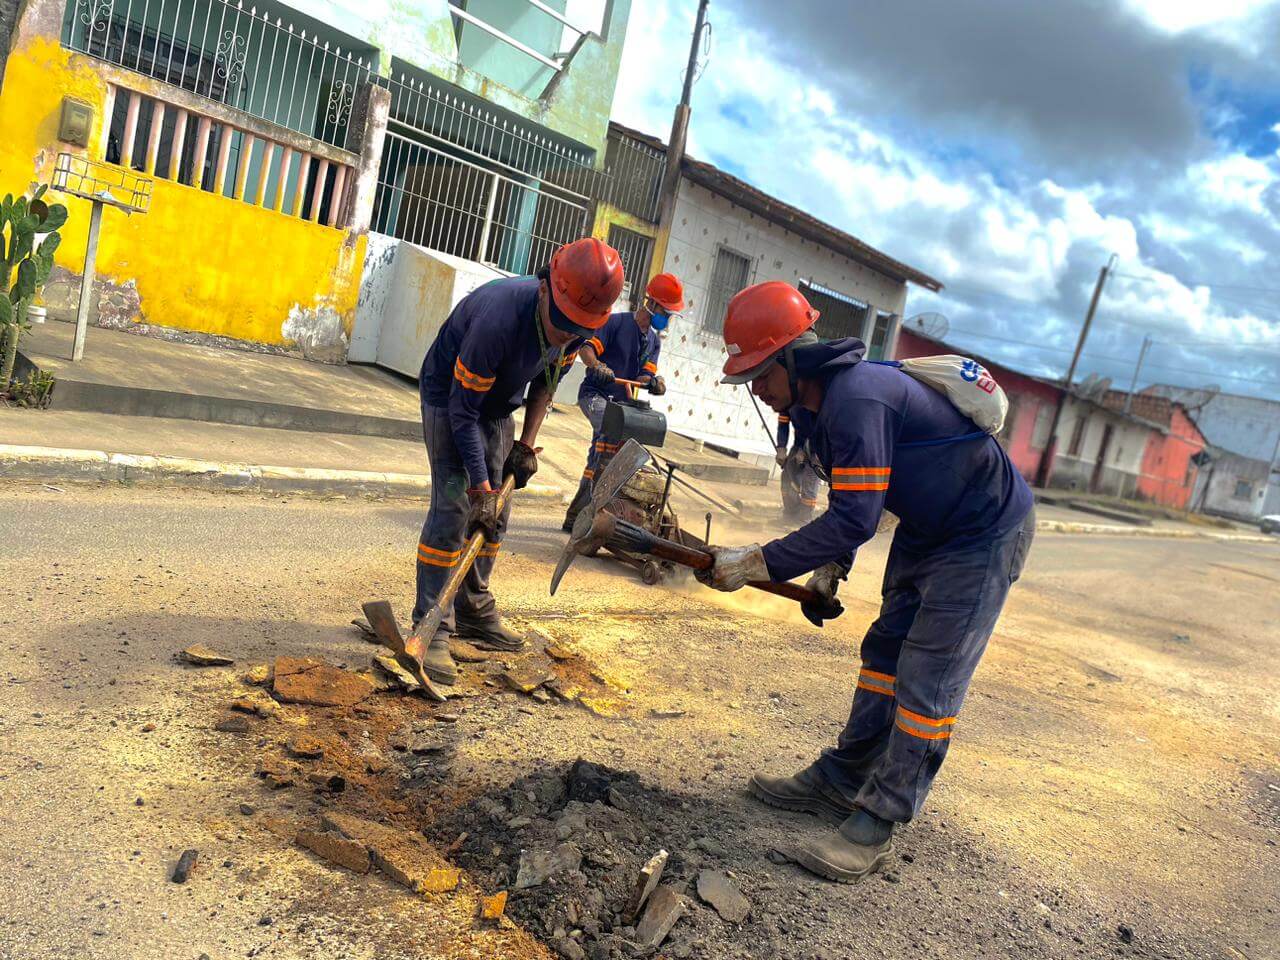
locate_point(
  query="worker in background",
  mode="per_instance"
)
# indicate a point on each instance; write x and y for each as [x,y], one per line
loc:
[508,341]
[798,479]
[626,348]
[883,440]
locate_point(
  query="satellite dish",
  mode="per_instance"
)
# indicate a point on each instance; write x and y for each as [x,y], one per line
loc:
[932,325]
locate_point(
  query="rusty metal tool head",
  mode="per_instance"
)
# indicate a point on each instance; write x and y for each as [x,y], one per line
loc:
[624,465]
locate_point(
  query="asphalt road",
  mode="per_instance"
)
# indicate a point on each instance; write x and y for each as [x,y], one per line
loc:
[1113,787]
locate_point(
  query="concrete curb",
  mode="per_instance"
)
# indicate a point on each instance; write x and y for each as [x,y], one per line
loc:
[1100,529]
[98,466]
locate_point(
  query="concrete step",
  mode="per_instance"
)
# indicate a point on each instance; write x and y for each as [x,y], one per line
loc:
[1084,506]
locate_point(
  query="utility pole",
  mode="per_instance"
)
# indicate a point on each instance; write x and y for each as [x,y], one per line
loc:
[1128,399]
[1051,451]
[675,147]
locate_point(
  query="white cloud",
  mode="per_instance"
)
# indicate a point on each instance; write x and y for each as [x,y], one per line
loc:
[1019,250]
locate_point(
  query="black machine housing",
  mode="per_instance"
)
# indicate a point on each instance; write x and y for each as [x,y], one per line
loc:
[633,420]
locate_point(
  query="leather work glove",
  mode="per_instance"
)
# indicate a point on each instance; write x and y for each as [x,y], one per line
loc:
[734,568]
[521,463]
[824,582]
[601,374]
[780,456]
[484,512]
[657,386]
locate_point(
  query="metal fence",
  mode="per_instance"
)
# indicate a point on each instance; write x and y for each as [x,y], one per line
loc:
[635,250]
[633,176]
[451,204]
[250,58]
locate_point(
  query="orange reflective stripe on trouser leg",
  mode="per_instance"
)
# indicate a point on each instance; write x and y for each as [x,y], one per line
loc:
[876,682]
[438,558]
[922,727]
[489,549]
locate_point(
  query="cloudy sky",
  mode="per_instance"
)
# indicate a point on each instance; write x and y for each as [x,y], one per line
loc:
[1009,148]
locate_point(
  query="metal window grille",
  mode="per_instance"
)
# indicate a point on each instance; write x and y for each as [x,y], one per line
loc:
[635,251]
[430,112]
[729,275]
[839,315]
[252,58]
[450,204]
[634,176]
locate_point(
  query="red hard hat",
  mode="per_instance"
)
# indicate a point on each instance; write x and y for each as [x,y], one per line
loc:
[668,291]
[761,320]
[586,281]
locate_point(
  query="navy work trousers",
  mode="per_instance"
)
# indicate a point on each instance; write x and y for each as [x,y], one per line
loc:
[938,612]
[444,532]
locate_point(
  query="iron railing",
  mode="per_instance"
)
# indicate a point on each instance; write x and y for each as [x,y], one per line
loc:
[633,177]
[453,205]
[635,250]
[250,58]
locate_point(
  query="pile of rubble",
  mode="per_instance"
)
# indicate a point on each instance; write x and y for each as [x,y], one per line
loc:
[584,855]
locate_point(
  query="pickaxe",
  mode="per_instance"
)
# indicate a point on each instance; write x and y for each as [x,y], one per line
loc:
[599,528]
[410,650]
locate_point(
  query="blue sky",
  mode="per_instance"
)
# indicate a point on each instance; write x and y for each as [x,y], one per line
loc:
[1009,150]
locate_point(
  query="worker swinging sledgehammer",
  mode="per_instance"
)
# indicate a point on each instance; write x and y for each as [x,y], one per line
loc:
[625,348]
[883,440]
[503,339]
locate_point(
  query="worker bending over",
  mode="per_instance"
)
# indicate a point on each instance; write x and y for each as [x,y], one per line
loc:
[507,338]
[883,440]
[799,481]
[626,348]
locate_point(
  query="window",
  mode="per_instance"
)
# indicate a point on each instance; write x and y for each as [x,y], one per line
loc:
[730,275]
[880,335]
[1040,433]
[839,314]
[634,249]
[1244,490]
[1077,436]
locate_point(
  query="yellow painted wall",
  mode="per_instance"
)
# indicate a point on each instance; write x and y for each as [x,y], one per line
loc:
[199,261]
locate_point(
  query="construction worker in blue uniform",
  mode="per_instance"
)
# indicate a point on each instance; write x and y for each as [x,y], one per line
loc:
[626,347]
[884,441]
[509,338]
[799,480]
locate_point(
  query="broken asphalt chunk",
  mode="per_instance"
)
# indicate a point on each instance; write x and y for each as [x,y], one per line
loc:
[646,881]
[397,676]
[305,747]
[539,866]
[492,908]
[201,656]
[233,724]
[336,849]
[664,910]
[720,892]
[315,682]
[465,652]
[402,856]
[525,679]
[186,863]
[329,781]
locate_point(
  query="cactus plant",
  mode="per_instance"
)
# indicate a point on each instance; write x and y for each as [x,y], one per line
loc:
[24,267]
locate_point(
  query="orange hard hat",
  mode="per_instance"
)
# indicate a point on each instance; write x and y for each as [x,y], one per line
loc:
[761,320]
[586,281]
[668,291]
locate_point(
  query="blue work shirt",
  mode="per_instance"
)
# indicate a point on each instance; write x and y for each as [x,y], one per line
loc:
[799,415]
[483,361]
[947,496]
[626,350]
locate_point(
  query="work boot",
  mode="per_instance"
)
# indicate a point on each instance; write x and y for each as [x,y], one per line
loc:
[489,635]
[858,848]
[580,500]
[437,662]
[808,791]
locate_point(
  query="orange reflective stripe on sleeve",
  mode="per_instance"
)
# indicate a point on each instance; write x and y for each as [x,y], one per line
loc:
[651,367]
[922,727]
[437,558]
[472,381]
[567,361]
[860,478]
[876,682]
[595,344]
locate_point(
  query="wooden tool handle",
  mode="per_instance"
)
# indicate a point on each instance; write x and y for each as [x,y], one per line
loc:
[474,545]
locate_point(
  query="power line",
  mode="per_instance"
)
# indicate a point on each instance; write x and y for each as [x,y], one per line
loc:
[1125,360]
[1199,283]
